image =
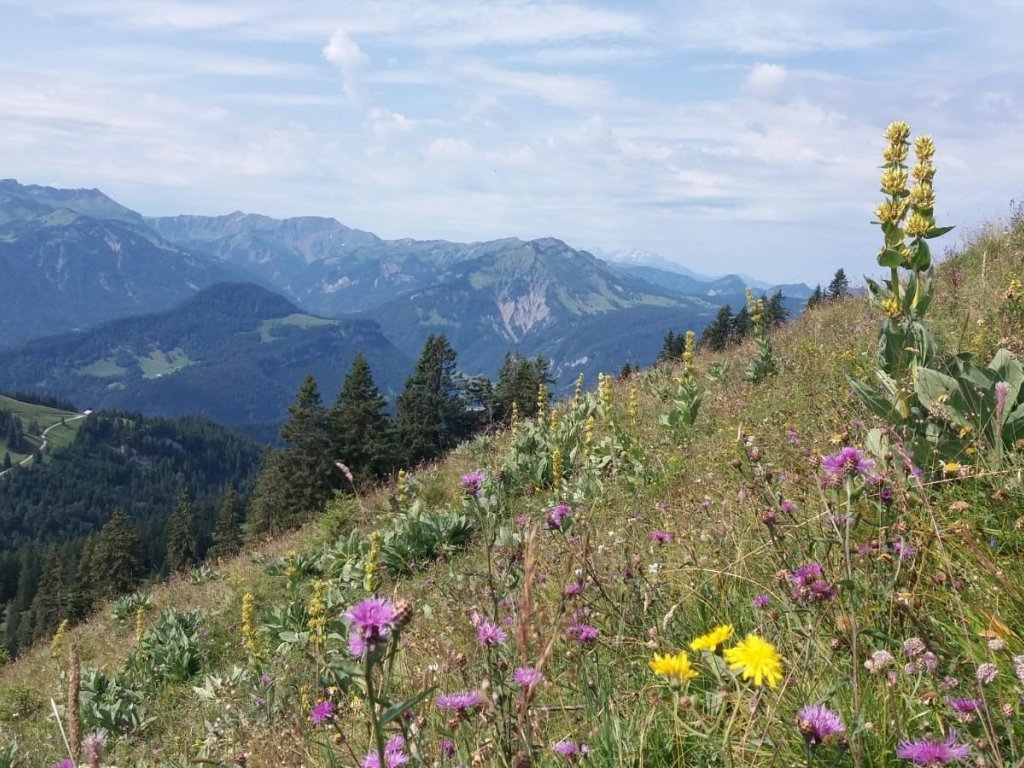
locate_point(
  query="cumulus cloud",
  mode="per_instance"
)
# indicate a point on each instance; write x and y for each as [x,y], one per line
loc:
[344,53]
[766,77]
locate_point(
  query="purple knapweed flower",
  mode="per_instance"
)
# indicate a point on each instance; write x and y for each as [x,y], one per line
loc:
[394,755]
[527,677]
[522,520]
[490,634]
[886,495]
[571,751]
[460,702]
[662,537]
[558,516]
[584,633]
[65,763]
[964,706]
[931,753]
[878,661]
[793,436]
[266,679]
[809,585]
[371,621]
[447,747]
[571,590]
[817,722]
[762,601]
[849,462]
[473,481]
[322,712]
[788,506]
[914,646]
[902,550]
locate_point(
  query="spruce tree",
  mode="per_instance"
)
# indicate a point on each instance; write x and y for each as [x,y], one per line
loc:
[115,565]
[775,311]
[432,416]
[817,296]
[307,466]
[741,325]
[840,285]
[181,538]
[227,535]
[518,381]
[359,430]
[50,605]
[717,335]
[268,505]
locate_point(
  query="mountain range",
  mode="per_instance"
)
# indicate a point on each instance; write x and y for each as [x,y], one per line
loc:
[77,260]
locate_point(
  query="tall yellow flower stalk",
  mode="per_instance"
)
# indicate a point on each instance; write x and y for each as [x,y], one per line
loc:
[249,626]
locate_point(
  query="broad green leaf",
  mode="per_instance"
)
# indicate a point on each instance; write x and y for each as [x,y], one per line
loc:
[938,232]
[397,710]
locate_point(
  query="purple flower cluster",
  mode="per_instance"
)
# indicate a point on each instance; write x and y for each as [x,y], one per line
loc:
[809,585]
[394,755]
[527,677]
[371,622]
[322,712]
[762,601]
[488,633]
[662,537]
[931,753]
[571,751]
[817,723]
[849,462]
[584,633]
[558,517]
[473,481]
[964,706]
[460,702]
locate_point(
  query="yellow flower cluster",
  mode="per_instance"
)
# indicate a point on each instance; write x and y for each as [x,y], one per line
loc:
[713,639]
[634,406]
[248,625]
[372,560]
[756,659]
[515,419]
[317,610]
[753,657]
[676,668]
[604,391]
[579,387]
[588,433]
[403,488]
[139,626]
[556,469]
[542,400]
[688,350]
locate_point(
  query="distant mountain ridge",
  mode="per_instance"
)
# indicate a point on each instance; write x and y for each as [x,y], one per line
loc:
[234,352]
[79,258]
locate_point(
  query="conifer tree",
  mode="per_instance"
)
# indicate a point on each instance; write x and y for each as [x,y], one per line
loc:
[181,538]
[359,430]
[518,381]
[268,505]
[741,325]
[716,336]
[775,312]
[307,467]
[227,535]
[817,296]
[115,566]
[432,416]
[840,285]
[7,460]
[50,605]
[83,592]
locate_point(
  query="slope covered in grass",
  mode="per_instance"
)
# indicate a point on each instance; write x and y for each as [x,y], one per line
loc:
[607,535]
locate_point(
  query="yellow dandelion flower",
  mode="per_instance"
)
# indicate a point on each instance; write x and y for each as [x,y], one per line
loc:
[713,639]
[757,659]
[676,668]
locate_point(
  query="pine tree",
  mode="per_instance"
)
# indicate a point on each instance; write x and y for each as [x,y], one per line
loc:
[839,286]
[181,537]
[432,416]
[716,336]
[227,535]
[84,591]
[268,505]
[7,460]
[518,381]
[359,430]
[114,563]
[50,605]
[775,312]
[817,296]
[308,468]
[741,325]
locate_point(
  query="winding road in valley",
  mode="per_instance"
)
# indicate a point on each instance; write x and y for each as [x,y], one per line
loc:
[45,442]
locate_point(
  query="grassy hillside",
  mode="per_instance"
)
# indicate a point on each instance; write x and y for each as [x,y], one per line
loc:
[35,420]
[893,598]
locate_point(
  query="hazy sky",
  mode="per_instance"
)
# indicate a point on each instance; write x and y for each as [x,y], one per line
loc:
[727,135]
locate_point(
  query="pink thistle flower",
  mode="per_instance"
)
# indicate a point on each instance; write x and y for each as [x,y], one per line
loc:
[849,462]
[930,753]
[322,712]
[817,723]
[371,621]
[490,634]
[394,755]
[460,702]
[527,677]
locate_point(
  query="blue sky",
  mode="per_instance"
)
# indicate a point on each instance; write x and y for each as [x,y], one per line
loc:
[725,135]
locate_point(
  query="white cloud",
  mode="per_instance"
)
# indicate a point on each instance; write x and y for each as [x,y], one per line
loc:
[342,51]
[766,77]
